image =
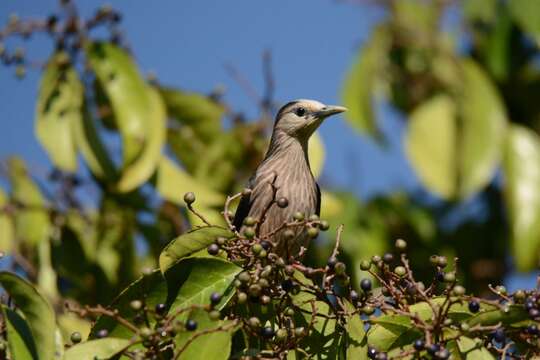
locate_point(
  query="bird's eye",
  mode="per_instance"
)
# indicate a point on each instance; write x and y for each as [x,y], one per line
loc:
[300,111]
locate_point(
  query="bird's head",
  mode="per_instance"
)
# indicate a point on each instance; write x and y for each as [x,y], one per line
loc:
[300,118]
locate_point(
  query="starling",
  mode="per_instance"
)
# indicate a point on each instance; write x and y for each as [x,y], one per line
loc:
[285,173]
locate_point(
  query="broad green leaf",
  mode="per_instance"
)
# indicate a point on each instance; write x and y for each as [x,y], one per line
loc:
[7,228]
[482,133]
[92,148]
[492,316]
[173,183]
[19,337]
[46,279]
[152,289]
[362,81]
[197,278]
[127,93]
[527,14]
[521,168]
[213,346]
[31,220]
[199,112]
[356,336]
[316,154]
[97,349]
[482,10]
[141,169]
[59,107]
[37,311]
[430,145]
[392,331]
[68,323]
[188,244]
[472,351]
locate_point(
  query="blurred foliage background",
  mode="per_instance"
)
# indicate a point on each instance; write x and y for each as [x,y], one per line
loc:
[469,100]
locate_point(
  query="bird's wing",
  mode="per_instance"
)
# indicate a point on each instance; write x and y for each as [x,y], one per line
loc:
[318,203]
[261,195]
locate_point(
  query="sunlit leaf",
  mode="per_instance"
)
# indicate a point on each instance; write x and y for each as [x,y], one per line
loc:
[37,312]
[173,182]
[7,228]
[31,219]
[188,244]
[361,82]
[482,133]
[521,166]
[19,336]
[430,145]
[316,154]
[127,93]
[59,107]
[141,169]
[96,349]
[472,351]
[356,335]
[527,14]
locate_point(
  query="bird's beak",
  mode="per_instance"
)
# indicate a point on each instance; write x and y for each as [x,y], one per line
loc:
[330,110]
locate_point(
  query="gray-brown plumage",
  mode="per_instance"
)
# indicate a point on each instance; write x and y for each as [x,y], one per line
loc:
[285,173]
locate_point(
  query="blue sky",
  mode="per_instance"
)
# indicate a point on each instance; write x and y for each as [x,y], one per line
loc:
[187,43]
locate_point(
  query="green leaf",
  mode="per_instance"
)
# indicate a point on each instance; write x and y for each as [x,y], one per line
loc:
[430,143]
[37,311]
[97,349]
[363,79]
[492,316]
[127,93]
[212,346]
[92,148]
[483,127]
[32,220]
[392,331]
[188,244]
[482,10]
[59,107]
[527,14]
[193,280]
[20,341]
[356,336]
[199,112]
[173,183]
[316,154]
[139,171]
[7,228]
[472,351]
[521,167]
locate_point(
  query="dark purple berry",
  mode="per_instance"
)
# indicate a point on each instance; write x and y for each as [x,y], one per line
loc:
[433,348]
[160,309]
[534,313]
[354,296]
[267,332]
[442,354]
[215,298]
[440,276]
[213,249]
[332,261]
[365,284]
[529,305]
[419,345]
[372,352]
[532,329]
[191,325]
[388,258]
[266,245]
[381,356]
[287,285]
[103,333]
[498,335]
[474,306]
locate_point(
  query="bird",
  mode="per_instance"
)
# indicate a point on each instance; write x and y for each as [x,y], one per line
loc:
[285,176]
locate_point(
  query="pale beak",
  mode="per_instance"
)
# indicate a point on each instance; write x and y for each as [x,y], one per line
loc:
[330,110]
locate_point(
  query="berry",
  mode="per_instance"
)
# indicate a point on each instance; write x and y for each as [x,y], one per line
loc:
[354,296]
[433,348]
[289,312]
[313,217]
[367,310]
[249,221]
[458,290]
[388,258]
[474,306]
[215,298]
[213,249]
[499,336]
[103,333]
[263,283]
[313,232]
[288,234]
[529,305]
[440,276]
[442,261]
[189,198]
[246,192]
[419,345]
[372,352]
[519,295]
[299,331]
[76,337]
[265,299]
[340,268]
[287,285]
[375,259]
[283,202]
[298,216]
[136,305]
[249,232]
[442,354]
[244,277]
[160,308]
[332,261]
[450,277]
[434,259]
[267,332]
[382,356]
[400,244]
[323,225]
[241,297]
[501,290]
[257,248]
[365,284]
[532,329]
[145,332]
[266,245]
[365,265]
[220,240]
[255,290]
[254,322]
[281,334]
[400,271]
[534,313]
[262,254]
[191,325]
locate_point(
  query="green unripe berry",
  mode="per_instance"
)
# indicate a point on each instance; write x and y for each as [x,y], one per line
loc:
[365,265]
[264,283]
[299,331]
[136,305]
[313,217]
[400,271]
[401,244]
[244,277]
[249,232]
[250,221]
[340,268]
[434,259]
[520,295]
[368,310]
[289,312]
[256,249]
[450,277]
[254,322]
[442,261]
[375,259]
[220,240]
[262,254]
[323,225]
[288,234]
[241,297]
[189,198]
[500,290]
[464,327]
[313,232]
[146,333]
[281,334]
[265,299]
[458,290]
[76,337]
[298,216]
[214,315]
[255,290]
